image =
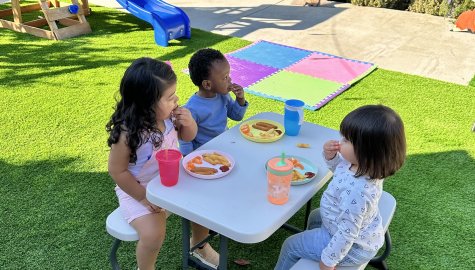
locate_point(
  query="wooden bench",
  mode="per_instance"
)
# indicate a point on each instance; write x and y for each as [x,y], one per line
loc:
[387,207]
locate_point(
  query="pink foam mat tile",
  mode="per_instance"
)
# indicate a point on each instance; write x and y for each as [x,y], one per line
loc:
[331,68]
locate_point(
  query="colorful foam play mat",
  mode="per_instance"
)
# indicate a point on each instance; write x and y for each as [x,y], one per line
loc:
[281,72]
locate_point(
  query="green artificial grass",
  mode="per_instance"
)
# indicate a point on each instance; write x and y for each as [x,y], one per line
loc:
[55,193]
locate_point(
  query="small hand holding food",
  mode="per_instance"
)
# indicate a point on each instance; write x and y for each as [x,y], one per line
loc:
[184,123]
[239,92]
[330,149]
[183,117]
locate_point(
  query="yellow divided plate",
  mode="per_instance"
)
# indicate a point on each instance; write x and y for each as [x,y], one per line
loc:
[255,130]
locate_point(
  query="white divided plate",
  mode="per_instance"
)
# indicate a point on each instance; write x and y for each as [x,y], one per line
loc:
[219,174]
[308,167]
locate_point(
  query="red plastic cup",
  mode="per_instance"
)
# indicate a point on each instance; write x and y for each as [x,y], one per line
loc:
[168,166]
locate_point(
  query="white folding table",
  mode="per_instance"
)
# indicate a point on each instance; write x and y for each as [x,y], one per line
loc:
[236,206]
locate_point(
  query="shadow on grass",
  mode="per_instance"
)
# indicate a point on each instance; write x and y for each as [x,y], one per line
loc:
[52,214]
[118,38]
[53,217]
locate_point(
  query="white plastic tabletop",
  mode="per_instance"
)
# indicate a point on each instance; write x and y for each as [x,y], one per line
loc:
[236,205]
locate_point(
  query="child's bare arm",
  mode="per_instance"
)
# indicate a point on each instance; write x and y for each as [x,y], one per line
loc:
[118,169]
[239,92]
[185,124]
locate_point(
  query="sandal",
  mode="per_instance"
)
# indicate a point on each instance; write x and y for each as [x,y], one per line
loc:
[207,255]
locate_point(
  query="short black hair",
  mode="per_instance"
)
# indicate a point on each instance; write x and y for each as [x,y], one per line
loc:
[201,62]
[379,142]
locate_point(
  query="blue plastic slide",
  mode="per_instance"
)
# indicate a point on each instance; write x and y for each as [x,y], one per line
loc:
[169,22]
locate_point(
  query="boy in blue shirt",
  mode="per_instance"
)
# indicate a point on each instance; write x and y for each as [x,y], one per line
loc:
[212,104]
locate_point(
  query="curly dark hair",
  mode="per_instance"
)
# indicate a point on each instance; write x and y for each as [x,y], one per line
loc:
[141,88]
[379,142]
[201,62]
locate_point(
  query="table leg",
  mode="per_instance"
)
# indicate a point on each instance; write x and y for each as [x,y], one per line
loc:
[223,252]
[307,212]
[294,229]
[185,242]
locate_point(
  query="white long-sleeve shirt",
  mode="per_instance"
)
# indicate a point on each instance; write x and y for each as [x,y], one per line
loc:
[349,210]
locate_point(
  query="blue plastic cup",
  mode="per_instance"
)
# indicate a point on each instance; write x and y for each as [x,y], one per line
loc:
[293,116]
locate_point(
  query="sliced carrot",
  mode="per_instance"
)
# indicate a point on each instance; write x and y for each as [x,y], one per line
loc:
[245,129]
[197,160]
[190,166]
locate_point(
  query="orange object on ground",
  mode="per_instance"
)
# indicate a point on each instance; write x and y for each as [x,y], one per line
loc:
[466,21]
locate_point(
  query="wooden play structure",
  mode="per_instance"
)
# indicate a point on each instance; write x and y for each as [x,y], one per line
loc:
[63,21]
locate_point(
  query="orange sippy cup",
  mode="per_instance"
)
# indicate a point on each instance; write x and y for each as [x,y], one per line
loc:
[279,175]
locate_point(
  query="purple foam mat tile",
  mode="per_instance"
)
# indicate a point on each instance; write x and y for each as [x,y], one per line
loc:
[246,73]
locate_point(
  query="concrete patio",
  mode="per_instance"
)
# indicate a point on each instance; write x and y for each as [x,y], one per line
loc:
[402,41]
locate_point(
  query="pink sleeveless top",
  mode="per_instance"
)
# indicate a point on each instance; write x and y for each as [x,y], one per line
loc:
[144,170]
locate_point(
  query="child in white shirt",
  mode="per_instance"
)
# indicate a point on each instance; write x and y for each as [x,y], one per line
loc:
[347,228]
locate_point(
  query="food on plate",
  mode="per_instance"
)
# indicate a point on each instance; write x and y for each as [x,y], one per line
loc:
[303,145]
[224,168]
[245,129]
[197,160]
[297,176]
[215,158]
[296,163]
[268,134]
[264,126]
[309,174]
[204,170]
[190,165]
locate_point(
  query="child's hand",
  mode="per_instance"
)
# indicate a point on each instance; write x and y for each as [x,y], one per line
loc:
[152,207]
[324,267]
[239,92]
[330,149]
[183,117]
